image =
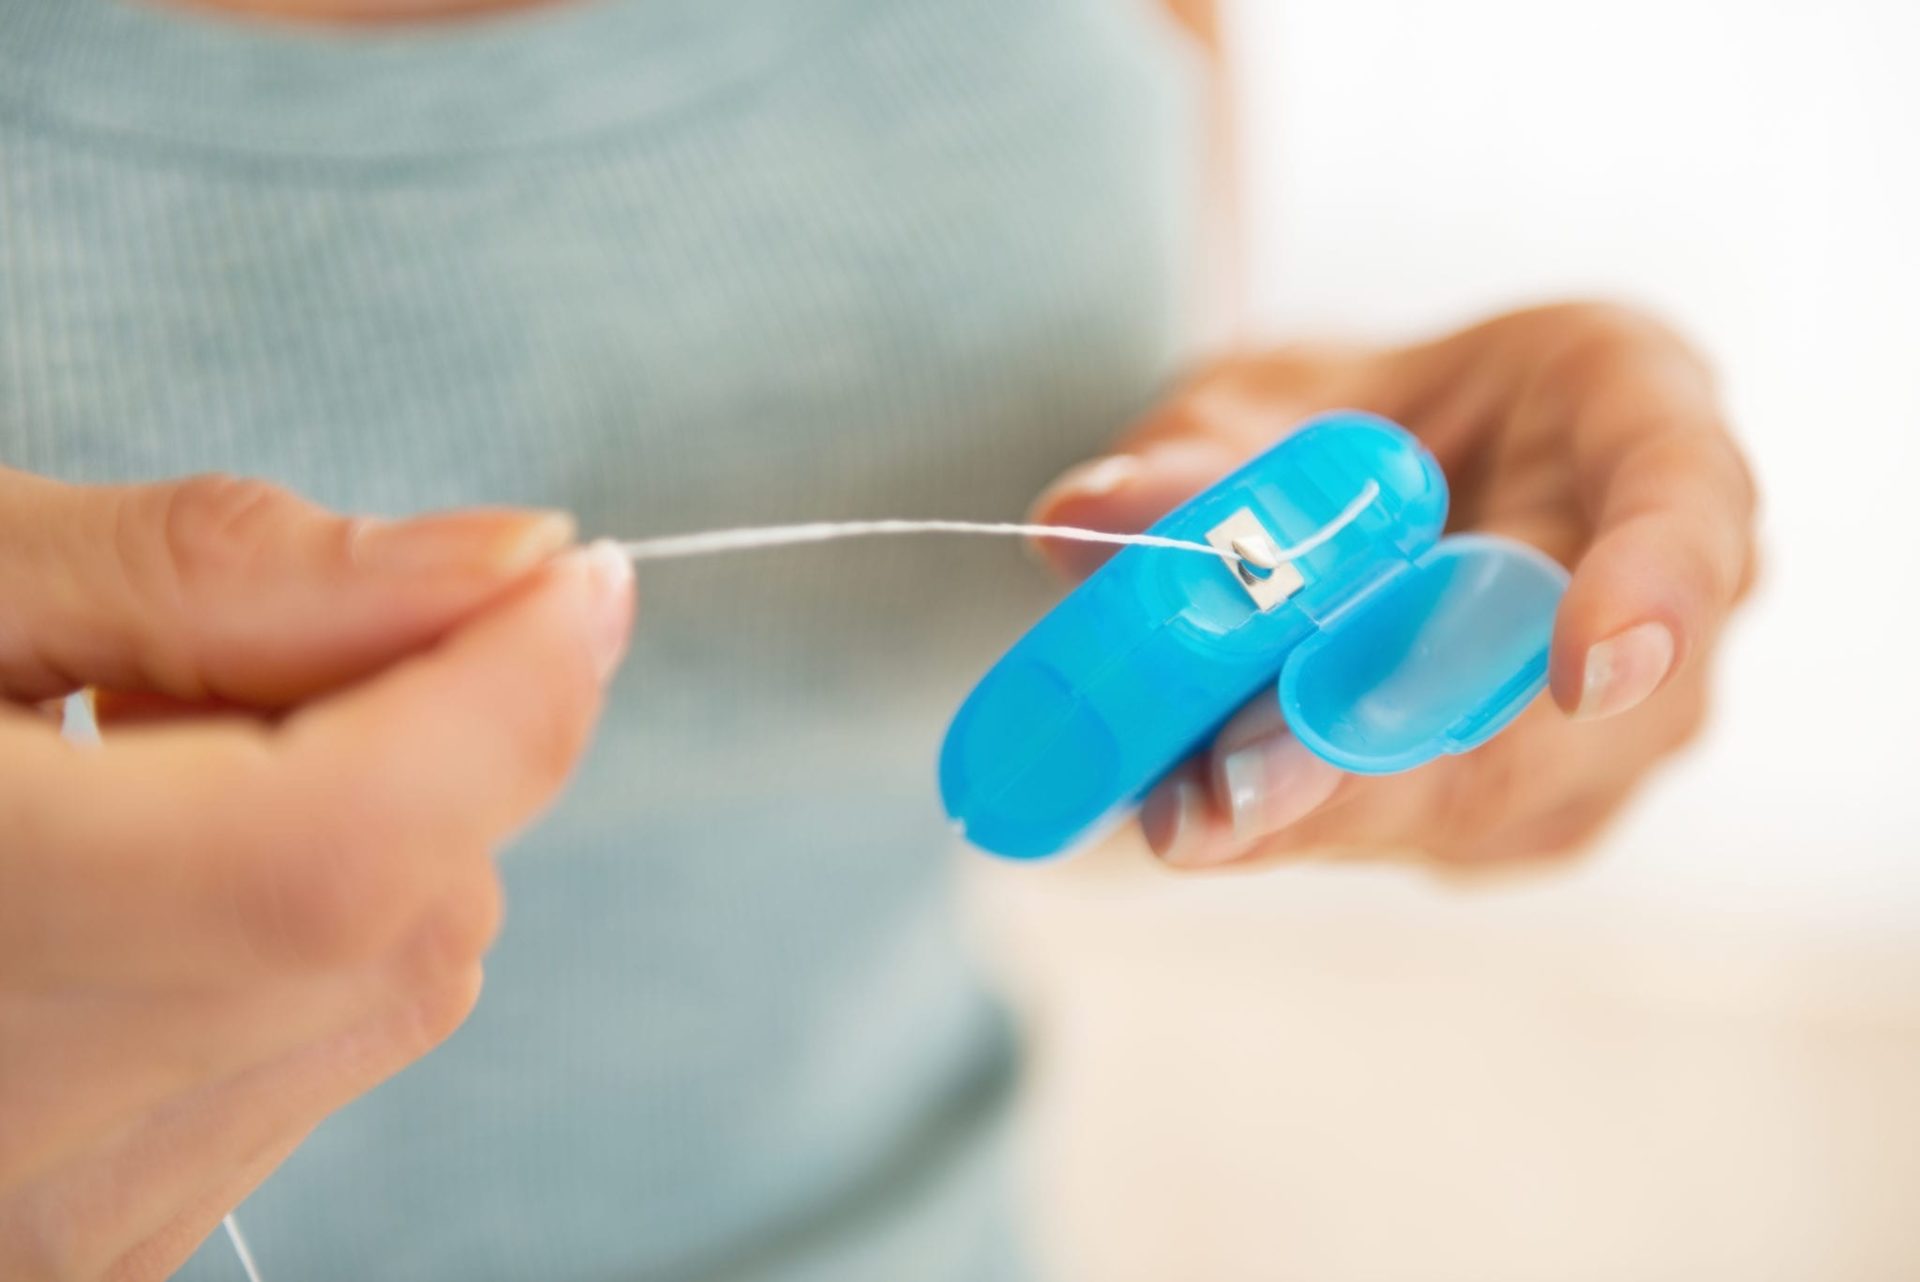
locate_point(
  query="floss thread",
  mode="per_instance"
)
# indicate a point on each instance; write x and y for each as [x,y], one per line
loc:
[673,547]
[240,1248]
[676,547]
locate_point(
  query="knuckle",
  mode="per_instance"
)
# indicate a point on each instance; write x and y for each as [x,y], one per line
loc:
[328,898]
[439,1007]
[216,523]
[458,931]
[181,542]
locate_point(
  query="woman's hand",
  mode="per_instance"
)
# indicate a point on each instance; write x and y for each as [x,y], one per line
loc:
[1589,431]
[220,925]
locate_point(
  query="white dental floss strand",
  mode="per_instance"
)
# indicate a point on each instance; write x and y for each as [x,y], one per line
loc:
[706,543]
[673,547]
[239,1241]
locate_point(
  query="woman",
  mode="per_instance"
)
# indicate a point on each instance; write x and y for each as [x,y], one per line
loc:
[659,265]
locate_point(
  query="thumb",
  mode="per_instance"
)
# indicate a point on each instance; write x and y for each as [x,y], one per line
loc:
[219,589]
[1125,492]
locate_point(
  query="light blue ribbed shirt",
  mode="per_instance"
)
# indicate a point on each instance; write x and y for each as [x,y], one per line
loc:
[670,265]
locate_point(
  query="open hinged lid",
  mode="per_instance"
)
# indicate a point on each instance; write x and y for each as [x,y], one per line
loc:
[1435,659]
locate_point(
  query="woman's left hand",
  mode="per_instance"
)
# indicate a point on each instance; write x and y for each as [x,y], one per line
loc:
[1589,431]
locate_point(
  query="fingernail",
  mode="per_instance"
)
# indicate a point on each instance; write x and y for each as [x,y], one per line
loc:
[1096,478]
[1167,816]
[1624,669]
[609,574]
[1272,782]
[488,542]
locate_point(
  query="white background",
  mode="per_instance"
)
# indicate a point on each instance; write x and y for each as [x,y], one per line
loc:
[1752,170]
[1696,1055]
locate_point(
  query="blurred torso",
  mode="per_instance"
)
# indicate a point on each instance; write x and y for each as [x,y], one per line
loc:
[669,266]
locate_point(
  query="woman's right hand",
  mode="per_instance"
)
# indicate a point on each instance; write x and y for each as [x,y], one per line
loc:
[215,929]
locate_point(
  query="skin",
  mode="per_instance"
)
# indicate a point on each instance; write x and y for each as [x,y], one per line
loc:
[274,891]
[271,887]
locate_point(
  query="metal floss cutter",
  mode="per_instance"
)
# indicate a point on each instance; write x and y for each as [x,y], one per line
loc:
[1391,645]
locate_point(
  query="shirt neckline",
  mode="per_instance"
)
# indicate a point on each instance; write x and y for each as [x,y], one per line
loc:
[497,82]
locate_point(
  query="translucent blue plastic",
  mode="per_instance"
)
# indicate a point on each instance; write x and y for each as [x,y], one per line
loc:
[1399,645]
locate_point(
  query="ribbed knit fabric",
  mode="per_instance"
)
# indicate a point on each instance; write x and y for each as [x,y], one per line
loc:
[669,264]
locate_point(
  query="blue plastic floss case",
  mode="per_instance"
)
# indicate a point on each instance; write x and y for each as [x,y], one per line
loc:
[1387,645]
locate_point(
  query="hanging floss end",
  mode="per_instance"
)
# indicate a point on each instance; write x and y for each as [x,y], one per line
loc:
[1385,644]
